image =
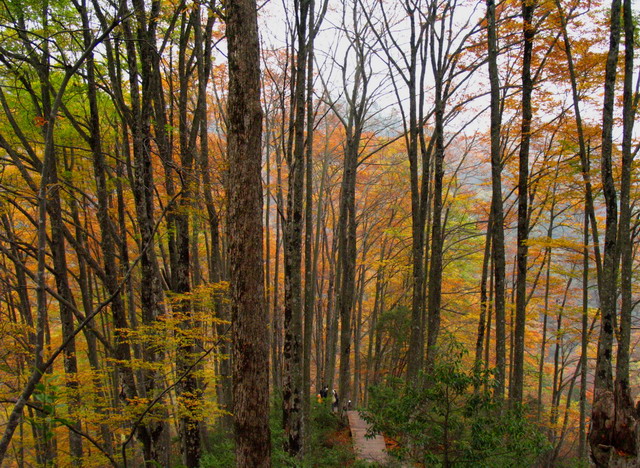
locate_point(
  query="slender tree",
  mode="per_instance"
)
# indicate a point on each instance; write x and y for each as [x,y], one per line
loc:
[528,33]
[496,202]
[292,397]
[625,429]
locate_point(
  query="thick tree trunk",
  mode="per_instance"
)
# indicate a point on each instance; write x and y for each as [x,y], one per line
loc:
[603,412]
[601,437]
[250,335]
[347,258]
[487,347]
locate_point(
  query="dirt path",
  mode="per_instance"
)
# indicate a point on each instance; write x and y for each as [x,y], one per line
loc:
[370,450]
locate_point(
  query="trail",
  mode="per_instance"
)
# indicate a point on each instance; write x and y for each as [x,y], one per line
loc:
[371,450]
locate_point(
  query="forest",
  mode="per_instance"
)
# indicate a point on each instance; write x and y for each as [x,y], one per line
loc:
[214,214]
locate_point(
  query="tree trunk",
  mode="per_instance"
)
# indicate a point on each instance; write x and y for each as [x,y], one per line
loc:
[309,276]
[419,193]
[484,301]
[335,275]
[188,392]
[496,203]
[276,317]
[122,352]
[318,241]
[600,436]
[528,29]
[625,431]
[373,321]
[434,293]
[293,346]
[582,434]
[250,335]
[347,258]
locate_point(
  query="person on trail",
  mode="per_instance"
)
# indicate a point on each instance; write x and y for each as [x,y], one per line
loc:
[335,401]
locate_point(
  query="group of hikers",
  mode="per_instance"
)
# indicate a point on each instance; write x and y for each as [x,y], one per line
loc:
[335,400]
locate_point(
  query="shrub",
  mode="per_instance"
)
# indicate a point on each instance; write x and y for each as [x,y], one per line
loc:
[450,418]
[323,451]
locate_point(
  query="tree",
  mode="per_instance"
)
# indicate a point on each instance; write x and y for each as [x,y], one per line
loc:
[497,217]
[293,346]
[625,432]
[528,32]
[603,412]
[250,338]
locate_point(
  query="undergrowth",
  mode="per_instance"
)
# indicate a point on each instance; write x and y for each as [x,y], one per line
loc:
[329,444]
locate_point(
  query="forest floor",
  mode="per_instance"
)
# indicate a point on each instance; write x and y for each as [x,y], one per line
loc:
[340,437]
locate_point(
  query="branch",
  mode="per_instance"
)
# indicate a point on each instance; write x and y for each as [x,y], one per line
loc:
[164,392]
[72,429]
[37,373]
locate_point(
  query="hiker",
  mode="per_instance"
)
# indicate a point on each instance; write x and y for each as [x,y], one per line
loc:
[335,402]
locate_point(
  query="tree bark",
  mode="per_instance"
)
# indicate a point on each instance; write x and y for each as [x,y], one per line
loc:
[582,434]
[434,292]
[625,431]
[292,397]
[484,300]
[515,393]
[250,335]
[496,203]
[309,276]
[600,436]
